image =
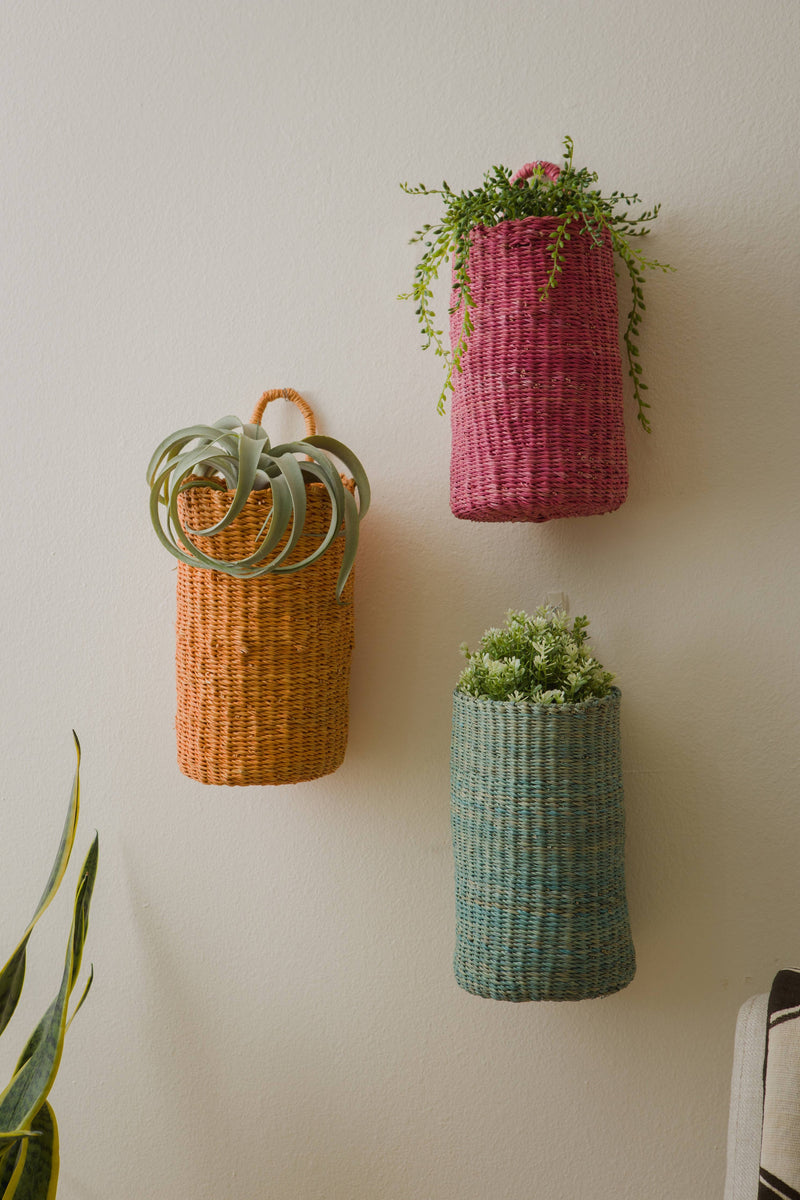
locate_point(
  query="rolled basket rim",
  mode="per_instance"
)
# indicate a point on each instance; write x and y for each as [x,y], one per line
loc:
[613,697]
[547,221]
[262,493]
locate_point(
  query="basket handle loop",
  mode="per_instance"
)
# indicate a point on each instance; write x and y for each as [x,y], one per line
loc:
[549,169]
[295,398]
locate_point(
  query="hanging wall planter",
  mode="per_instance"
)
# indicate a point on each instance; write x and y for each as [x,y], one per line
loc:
[265,539]
[538,820]
[534,366]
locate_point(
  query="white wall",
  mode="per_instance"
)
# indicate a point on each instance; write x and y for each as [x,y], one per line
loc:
[200,200]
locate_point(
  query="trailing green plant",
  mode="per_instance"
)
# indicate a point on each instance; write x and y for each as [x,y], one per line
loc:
[235,456]
[28,1130]
[581,207]
[540,660]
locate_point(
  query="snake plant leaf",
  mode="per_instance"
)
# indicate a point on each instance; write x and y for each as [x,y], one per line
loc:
[83,898]
[7,1140]
[250,443]
[84,994]
[9,1145]
[13,973]
[8,1161]
[35,1173]
[351,463]
[83,902]
[39,1062]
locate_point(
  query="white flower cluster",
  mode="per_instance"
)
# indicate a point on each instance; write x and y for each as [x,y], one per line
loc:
[538,659]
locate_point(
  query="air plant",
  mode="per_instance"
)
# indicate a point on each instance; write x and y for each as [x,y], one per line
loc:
[28,1131]
[235,456]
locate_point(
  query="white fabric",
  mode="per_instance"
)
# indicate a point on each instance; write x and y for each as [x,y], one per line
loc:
[780,1137]
[747,1100]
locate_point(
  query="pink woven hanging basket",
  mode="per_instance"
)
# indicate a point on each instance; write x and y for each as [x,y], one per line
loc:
[536,412]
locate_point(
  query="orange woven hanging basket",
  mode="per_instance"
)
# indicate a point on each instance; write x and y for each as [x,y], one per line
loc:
[263,665]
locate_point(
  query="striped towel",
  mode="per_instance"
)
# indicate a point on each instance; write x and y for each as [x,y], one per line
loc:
[779,1174]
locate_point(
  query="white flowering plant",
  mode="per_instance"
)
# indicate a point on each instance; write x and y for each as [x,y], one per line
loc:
[539,659]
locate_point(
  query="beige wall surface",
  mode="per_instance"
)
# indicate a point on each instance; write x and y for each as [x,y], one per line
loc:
[200,201]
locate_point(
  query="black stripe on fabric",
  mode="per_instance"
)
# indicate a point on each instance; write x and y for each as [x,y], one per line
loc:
[769,1186]
[784,994]
[779,1019]
[785,991]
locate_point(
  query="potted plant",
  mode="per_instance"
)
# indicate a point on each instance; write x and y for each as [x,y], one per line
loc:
[534,364]
[28,1129]
[266,538]
[537,816]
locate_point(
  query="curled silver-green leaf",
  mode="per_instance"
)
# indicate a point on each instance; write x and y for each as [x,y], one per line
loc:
[236,457]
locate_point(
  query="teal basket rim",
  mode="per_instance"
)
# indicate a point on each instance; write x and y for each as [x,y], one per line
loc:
[613,696]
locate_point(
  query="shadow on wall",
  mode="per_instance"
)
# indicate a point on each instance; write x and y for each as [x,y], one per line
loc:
[708,865]
[407,637]
[714,347]
[270,1095]
[185,1073]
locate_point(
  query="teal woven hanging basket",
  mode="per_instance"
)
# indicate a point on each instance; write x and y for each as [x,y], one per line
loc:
[539,840]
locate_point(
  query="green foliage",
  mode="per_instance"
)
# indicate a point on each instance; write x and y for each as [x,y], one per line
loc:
[28,1130]
[538,659]
[236,457]
[582,209]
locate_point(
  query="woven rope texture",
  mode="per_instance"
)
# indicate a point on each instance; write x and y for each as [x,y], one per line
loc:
[536,413]
[263,665]
[538,838]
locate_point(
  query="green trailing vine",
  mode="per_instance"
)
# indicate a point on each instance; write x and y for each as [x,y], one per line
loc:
[582,209]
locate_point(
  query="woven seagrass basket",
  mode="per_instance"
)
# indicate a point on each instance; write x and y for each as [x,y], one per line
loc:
[538,839]
[263,665]
[536,413]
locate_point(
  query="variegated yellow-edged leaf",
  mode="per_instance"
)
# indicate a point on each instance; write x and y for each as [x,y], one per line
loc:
[13,973]
[40,1059]
[35,1174]
[84,994]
